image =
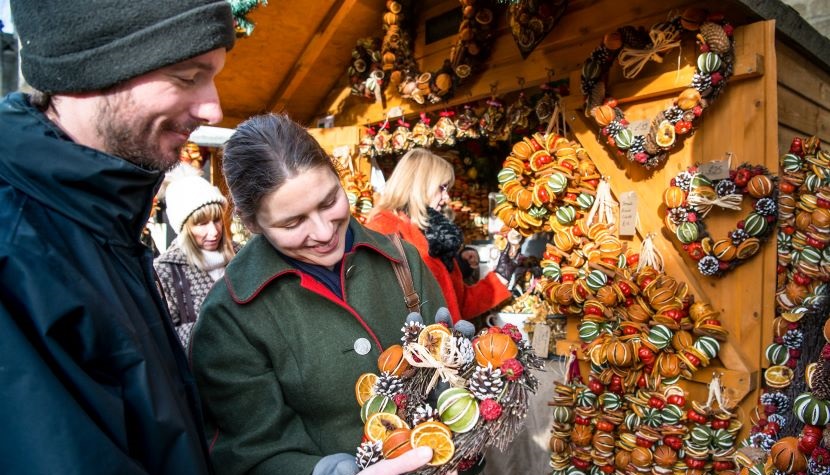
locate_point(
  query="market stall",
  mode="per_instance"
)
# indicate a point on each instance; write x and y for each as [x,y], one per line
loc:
[681,293]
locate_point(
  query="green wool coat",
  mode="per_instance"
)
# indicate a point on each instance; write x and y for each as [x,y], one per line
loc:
[274,353]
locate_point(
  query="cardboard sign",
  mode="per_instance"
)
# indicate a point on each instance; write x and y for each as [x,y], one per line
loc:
[628,213]
[541,340]
[639,127]
[717,170]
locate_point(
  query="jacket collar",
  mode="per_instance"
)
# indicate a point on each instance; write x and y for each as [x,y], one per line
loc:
[258,263]
[105,194]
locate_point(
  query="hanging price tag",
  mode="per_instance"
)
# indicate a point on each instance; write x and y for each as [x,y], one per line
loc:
[541,340]
[717,170]
[639,127]
[628,213]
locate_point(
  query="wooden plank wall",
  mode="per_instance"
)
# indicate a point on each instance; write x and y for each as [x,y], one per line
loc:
[803,98]
[742,122]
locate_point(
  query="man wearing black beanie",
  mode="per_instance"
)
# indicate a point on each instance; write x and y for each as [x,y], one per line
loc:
[92,378]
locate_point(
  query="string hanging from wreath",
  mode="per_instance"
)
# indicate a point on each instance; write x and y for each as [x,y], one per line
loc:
[633,48]
[692,195]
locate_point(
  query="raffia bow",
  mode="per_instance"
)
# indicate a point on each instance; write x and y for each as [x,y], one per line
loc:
[664,38]
[374,84]
[446,368]
[604,204]
[703,204]
[649,255]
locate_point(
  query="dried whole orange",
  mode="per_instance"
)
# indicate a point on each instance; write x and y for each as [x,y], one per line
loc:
[392,361]
[494,349]
[397,443]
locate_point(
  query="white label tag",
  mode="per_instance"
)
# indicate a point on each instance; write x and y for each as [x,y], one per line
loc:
[717,170]
[639,127]
[541,340]
[628,213]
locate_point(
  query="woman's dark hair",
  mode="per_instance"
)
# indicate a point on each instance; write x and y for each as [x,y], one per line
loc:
[263,153]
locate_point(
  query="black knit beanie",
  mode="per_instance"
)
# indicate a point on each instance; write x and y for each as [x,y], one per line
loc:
[80,46]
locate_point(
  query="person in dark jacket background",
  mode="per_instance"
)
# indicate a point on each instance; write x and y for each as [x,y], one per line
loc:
[93,379]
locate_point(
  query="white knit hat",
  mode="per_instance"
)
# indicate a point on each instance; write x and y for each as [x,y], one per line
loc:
[187,192]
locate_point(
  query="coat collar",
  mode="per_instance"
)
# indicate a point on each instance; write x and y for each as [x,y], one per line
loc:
[258,263]
[105,194]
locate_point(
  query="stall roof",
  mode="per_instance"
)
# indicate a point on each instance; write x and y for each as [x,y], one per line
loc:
[299,52]
[295,56]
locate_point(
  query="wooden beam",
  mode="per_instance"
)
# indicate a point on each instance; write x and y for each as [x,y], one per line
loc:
[338,14]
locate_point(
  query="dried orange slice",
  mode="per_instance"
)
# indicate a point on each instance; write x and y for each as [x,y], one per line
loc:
[364,388]
[433,338]
[440,442]
[428,427]
[380,424]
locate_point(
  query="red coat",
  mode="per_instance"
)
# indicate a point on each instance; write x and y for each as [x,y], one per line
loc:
[463,301]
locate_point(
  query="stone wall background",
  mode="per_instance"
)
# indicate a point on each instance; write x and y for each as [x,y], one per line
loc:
[816,12]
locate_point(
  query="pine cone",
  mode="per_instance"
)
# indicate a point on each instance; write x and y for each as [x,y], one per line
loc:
[650,144]
[368,453]
[486,383]
[411,330]
[636,38]
[388,385]
[424,413]
[465,350]
[597,95]
[821,380]
[715,37]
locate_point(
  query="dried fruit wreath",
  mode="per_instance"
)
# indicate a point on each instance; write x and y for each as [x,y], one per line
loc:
[447,388]
[470,49]
[633,48]
[692,195]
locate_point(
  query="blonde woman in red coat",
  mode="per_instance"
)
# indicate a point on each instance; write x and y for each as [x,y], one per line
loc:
[411,205]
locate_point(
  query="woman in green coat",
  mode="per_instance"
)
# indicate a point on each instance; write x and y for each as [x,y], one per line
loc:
[305,308]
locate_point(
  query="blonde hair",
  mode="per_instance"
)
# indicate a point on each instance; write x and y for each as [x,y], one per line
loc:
[192,251]
[416,177]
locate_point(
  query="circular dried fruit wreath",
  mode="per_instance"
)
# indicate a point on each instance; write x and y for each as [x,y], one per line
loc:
[692,195]
[544,183]
[633,48]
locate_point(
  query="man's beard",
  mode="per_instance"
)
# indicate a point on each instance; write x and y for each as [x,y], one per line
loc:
[130,136]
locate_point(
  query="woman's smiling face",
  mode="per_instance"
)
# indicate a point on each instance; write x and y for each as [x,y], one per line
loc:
[307,217]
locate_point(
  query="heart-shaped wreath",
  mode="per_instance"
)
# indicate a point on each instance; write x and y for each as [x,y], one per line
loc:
[692,195]
[633,48]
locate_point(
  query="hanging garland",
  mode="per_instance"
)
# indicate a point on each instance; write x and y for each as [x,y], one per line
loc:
[470,49]
[633,49]
[365,70]
[692,195]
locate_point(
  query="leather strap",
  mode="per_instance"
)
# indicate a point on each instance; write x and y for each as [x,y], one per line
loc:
[404,275]
[184,300]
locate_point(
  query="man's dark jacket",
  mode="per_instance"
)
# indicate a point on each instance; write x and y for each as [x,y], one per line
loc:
[92,379]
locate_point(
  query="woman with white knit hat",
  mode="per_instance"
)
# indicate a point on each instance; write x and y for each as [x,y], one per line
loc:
[197,258]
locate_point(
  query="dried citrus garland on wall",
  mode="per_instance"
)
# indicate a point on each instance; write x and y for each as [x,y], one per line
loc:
[692,195]
[633,48]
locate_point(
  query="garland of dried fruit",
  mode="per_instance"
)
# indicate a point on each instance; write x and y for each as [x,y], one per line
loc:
[633,48]
[470,49]
[692,195]
[639,325]
[543,182]
[365,69]
[801,296]
[480,401]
